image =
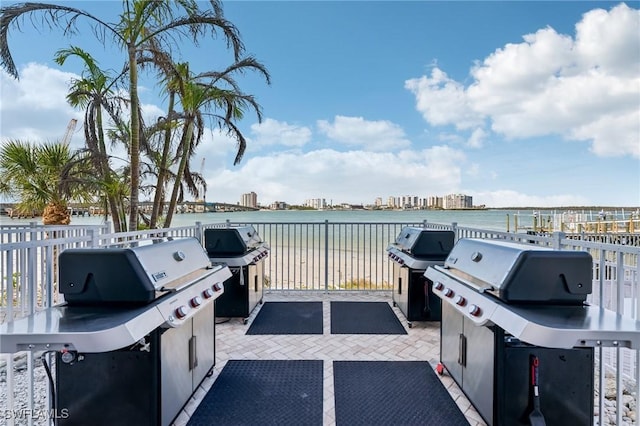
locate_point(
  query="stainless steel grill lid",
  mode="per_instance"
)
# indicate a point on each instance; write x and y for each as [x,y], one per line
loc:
[231,241]
[427,244]
[519,273]
[129,275]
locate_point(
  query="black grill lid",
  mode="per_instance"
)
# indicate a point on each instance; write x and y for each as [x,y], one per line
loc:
[523,273]
[427,244]
[231,241]
[128,275]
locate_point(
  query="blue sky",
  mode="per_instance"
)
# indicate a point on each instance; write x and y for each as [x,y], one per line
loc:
[514,103]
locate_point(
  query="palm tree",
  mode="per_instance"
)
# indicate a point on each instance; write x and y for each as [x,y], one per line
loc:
[140,22]
[94,93]
[176,80]
[200,98]
[45,177]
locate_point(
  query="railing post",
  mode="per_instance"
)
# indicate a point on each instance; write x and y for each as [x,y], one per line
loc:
[199,232]
[556,240]
[228,222]
[106,228]
[32,255]
[454,228]
[93,237]
[326,255]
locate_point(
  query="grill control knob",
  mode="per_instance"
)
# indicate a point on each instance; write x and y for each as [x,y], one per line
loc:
[475,310]
[217,287]
[195,302]
[179,256]
[438,286]
[461,301]
[448,292]
[207,294]
[181,312]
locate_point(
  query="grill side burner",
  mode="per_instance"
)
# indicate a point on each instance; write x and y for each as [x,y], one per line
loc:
[118,358]
[243,251]
[504,303]
[414,250]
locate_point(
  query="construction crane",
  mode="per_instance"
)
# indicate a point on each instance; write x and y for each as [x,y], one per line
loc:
[71,127]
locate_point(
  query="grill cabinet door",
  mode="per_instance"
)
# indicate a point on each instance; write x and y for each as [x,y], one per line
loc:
[451,333]
[203,333]
[401,288]
[478,381]
[255,281]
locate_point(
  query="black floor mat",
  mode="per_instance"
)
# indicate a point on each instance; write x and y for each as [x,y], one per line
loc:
[288,318]
[264,392]
[364,318]
[392,393]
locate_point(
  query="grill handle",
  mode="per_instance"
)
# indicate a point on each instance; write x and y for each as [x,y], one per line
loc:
[193,355]
[462,350]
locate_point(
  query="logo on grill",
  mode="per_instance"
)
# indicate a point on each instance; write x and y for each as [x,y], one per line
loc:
[159,275]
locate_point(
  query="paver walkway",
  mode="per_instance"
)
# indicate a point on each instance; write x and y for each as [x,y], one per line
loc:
[422,343]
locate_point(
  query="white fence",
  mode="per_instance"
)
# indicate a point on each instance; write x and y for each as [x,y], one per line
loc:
[321,256]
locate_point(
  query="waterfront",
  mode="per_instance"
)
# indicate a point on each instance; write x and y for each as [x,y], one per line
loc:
[491,219]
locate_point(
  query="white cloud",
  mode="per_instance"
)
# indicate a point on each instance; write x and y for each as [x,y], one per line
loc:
[477,138]
[583,88]
[352,176]
[273,132]
[509,198]
[218,149]
[34,107]
[371,135]
[443,101]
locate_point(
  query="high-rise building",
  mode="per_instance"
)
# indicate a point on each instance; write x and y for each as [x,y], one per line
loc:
[434,202]
[249,200]
[458,201]
[278,205]
[316,203]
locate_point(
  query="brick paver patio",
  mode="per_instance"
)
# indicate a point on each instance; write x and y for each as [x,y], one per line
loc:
[422,343]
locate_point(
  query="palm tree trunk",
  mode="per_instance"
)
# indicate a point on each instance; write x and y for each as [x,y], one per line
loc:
[105,172]
[186,145]
[56,213]
[163,166]
[134,146]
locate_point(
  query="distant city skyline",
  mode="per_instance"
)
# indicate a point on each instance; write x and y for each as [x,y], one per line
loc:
[449,201]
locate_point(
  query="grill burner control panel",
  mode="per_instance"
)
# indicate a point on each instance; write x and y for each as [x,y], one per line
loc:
[180,307]
[551,326]
[467,301]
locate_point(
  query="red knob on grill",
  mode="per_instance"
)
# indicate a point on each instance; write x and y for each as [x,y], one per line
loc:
[217,287]
[181,312]
[195,302]
[207,294]
[438,286]
[448,292]
[475,310]
[461,301]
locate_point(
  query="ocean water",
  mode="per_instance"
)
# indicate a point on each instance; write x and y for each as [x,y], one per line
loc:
[489,219]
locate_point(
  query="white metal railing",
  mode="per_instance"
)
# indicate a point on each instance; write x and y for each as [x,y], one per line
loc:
[324,256]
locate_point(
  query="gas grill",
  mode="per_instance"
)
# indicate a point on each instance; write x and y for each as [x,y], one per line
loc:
[243,251]
[515,324]
[414,250]
[136,335]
